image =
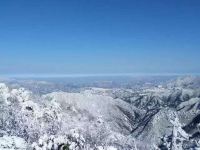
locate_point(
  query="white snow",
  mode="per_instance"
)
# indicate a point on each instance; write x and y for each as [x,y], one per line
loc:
[12,143]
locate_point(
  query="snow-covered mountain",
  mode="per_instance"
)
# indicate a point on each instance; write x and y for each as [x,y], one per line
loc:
[161,116]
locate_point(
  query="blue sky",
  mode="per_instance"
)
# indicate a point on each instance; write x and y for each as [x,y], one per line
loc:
[99,36]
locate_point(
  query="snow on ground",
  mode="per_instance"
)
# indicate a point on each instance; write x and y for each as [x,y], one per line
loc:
[159,117]
[12,143]
[98,118]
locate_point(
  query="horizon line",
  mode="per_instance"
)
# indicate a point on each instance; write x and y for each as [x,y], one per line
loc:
[46,75]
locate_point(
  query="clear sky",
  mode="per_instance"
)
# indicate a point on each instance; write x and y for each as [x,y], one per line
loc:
[99,36]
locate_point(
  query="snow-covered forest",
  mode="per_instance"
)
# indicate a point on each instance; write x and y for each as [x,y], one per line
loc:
[43,115]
